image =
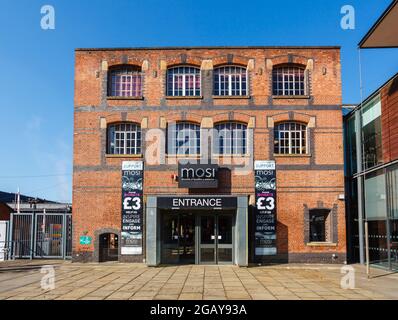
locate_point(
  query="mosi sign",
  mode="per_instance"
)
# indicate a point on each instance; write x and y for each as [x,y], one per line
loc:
[197,175]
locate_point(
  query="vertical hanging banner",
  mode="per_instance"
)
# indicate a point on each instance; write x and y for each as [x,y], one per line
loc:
[132,207]
[265,212]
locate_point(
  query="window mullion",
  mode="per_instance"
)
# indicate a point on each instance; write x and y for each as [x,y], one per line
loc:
[173,84]
[183,84]
[301,141]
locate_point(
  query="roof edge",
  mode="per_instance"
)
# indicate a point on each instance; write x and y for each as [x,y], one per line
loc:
[207,47]
[373,94]
[376,24]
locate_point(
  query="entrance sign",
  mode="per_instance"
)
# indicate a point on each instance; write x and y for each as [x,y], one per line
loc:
[197,175]
[132,207]
[214,203]
[265,212]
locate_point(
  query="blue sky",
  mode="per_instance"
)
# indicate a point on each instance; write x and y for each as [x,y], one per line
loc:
[36,78]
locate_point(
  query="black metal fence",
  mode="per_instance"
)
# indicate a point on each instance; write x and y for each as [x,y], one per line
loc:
[39,235]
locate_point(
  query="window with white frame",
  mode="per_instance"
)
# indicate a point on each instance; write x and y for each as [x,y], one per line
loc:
[290,138]
[230,81]
[183,81]
[288,81]
[184,138]
[124,138]
[230,138]
[125,81]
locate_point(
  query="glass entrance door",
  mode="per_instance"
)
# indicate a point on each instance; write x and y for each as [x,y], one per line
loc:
[178,238]
[207,250]
[216,239]
[224,239]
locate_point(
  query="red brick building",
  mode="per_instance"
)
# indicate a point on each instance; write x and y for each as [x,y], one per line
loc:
[155,105]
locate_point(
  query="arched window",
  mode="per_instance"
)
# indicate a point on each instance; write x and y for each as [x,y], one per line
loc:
[230,138]
[125,81]
[290,138]
[183,81]
[288,81]
[230,81]
[124,138]
[184,138]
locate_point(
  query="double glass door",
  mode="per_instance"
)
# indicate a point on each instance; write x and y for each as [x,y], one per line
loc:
[216,239]
[197,238]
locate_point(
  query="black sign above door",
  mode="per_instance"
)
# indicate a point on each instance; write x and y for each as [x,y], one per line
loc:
[197,175]
[202,202]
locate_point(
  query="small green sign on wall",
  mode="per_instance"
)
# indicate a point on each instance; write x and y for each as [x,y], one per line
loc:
[85,240]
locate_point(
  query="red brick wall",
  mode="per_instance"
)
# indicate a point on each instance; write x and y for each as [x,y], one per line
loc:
[389,120]
[301,180]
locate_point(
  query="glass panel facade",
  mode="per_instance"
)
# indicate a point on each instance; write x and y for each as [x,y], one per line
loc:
[371,134]
[381,212]
[375,196]
[392,180]
[351,146]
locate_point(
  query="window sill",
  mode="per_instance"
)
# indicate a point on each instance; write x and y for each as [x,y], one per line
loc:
[231,97]
[183,97]
[123,156]
[290,97]
[304,155]
[125,98]
[221,155]
[196,156]
[321,244]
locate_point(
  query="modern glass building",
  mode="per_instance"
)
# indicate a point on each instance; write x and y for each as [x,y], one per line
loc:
[371,161]
[371,145]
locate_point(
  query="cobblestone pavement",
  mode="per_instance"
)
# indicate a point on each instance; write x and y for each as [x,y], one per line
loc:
[22,280]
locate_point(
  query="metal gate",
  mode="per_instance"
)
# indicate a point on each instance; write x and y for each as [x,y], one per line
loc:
[40,235]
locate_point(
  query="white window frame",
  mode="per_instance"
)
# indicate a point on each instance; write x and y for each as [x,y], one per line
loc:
[184,76]
[289,139]
[285,72]
[135,139]
[184,130]
[229,79]
[129,73]
[235,142]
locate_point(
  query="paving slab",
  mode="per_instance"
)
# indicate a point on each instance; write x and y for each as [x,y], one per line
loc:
[20,280]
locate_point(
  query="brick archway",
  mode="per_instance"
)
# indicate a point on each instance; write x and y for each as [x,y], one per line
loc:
[97,234]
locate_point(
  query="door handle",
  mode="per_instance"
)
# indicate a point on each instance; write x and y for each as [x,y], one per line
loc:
[219,237]
[213,237]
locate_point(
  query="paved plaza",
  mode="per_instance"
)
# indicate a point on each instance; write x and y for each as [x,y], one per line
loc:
[22,280]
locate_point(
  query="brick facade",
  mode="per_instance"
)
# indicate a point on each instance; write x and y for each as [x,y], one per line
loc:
[389,119]
[304,182]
